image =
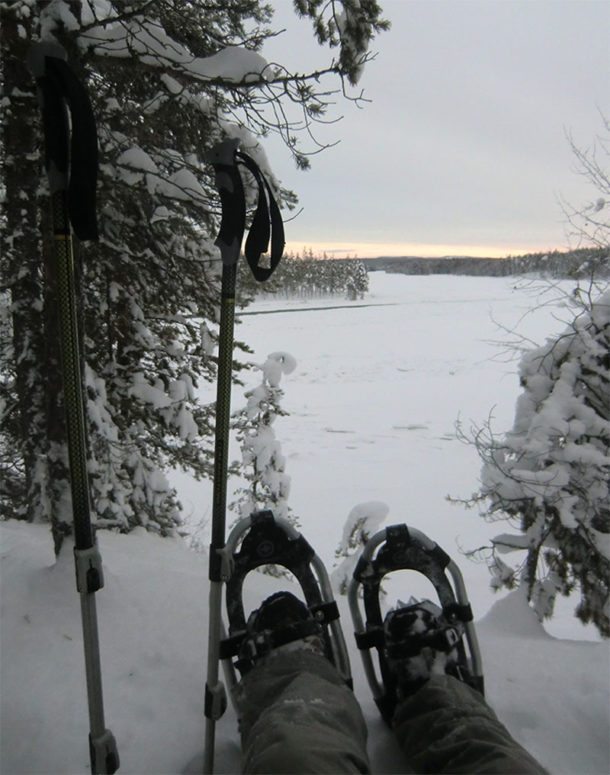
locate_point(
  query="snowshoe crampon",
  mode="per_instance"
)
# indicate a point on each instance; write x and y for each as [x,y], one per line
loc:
[414,632]
[259,540]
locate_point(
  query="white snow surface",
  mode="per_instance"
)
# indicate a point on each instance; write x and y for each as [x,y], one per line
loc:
[373,401]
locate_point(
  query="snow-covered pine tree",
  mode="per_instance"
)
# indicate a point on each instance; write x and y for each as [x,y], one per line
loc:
[363,521]
[264,465]
[550,474]
[306,277]
[357,283]
[362,279]
[167,80]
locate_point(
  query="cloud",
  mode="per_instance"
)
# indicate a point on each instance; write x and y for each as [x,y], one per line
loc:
[464,143]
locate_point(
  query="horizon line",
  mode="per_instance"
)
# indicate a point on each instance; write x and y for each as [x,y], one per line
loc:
[417,250]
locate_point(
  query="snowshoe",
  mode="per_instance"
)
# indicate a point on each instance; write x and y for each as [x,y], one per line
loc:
[415,640]
[282,619]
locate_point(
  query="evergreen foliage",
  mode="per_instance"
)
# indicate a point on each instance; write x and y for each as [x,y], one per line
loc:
[167,81]
[363,521]
[551,472]
[263,462]
[311,276]
[577,264]
[549,475]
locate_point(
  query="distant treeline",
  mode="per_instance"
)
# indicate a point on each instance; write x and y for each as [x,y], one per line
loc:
[309,276]
[560,265]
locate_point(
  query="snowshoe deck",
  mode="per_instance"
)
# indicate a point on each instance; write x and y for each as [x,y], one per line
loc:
[401,548]
[259,540]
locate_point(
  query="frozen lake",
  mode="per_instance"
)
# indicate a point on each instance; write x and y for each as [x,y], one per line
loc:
[374,401]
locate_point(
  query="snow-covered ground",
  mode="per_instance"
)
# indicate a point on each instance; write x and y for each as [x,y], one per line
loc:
[373,404]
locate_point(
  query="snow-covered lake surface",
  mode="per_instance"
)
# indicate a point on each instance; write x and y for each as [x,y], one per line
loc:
[373,404]
[374,400]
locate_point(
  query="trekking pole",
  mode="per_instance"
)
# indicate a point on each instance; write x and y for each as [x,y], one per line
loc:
[229,242]
[267,223]
[71,165]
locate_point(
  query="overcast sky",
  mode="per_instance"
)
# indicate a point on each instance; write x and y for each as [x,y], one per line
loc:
[463,149]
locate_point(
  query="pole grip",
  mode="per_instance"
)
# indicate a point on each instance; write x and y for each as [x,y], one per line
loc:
[232,199]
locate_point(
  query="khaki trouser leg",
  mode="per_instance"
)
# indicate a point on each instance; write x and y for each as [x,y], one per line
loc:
[447,727]
[297,716]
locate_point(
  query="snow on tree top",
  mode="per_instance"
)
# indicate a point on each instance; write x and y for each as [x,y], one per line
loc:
[362,522]
[277,364]
[149,41]
[233,64]
[137,158]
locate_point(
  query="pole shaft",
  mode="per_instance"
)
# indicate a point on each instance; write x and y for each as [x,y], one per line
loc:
[72,373]
[104,757]
[223,404]
[219,504]
[93,669]
[212,682]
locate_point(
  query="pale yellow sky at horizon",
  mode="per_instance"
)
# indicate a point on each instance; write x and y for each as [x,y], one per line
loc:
[376,249]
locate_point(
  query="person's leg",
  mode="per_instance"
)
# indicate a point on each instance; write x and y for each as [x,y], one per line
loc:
[447,727]
[431,687]
[296,715]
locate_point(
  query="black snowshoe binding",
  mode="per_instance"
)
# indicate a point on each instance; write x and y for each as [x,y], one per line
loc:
[259,540]
[281,621]
[419,638]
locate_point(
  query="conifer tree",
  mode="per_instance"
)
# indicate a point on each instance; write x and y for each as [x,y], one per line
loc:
[549,476]
[363,521]
[268,485]
[167,81]
[550,473]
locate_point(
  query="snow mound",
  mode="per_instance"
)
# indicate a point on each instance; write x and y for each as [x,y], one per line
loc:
[512,617]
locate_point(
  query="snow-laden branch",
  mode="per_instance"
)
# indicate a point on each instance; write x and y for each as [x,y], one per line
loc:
[262,459]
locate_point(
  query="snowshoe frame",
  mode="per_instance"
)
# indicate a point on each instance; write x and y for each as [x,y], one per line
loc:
[263,539]
[401,548]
